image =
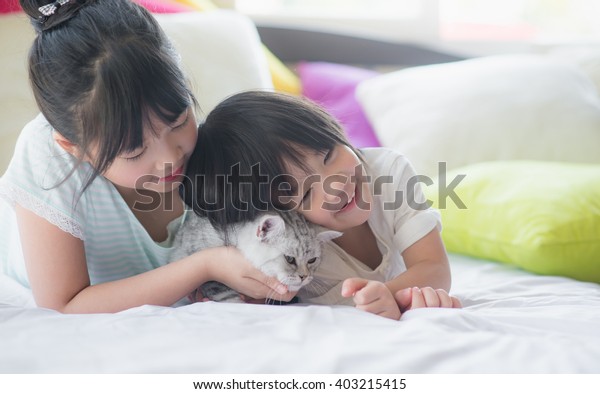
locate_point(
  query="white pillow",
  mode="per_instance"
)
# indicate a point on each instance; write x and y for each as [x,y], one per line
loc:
[587,57]
[221,53]
[495,108]
[220,50]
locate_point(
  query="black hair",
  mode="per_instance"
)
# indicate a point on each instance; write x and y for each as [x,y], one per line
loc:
[239,161]
[98,70]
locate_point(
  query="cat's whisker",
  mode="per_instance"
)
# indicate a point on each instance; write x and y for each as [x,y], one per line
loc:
[316,287]
[269,298]
[321,288]
[288,280]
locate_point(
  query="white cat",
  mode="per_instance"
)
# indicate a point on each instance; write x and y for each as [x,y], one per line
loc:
[282,245]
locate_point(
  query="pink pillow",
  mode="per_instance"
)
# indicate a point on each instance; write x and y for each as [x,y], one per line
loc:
[162,6]
[156,6]
[332,86]
[9,6]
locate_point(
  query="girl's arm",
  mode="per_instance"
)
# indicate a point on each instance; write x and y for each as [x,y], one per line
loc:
[425,283]
[426,265]
[57,271]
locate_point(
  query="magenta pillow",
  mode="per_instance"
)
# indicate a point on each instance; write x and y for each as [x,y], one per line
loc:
[332,86]
[9,6]
[162,7]
[156,6]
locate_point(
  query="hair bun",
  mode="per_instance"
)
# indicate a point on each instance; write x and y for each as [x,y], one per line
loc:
[46,15]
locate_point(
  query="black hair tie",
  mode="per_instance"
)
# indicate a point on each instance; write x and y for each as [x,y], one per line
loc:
[53,14]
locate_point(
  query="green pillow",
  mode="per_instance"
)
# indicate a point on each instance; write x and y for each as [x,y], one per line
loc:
[541,216]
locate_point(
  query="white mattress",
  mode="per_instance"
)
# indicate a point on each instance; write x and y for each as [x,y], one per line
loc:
[512,322]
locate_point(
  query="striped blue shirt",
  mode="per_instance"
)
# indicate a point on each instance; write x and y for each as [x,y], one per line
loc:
[116,244]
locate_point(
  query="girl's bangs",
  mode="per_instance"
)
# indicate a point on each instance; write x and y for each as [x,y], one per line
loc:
[156,90]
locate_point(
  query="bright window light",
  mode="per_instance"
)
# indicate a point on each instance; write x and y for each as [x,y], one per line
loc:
[519,20]
[553,21]
[385,9]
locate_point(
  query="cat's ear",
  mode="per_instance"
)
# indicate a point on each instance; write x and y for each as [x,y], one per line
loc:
[270,227]
[328,235]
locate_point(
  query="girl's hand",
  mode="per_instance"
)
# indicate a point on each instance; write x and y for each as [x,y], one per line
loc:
[371,296]
[231,268]
[426,297]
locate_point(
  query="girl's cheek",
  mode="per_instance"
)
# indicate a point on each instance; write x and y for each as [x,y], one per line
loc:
[312,215]
[193,138]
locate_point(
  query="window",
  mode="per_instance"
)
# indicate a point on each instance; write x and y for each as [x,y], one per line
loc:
[415,20]
[551,21]
[404,9]
[439,21]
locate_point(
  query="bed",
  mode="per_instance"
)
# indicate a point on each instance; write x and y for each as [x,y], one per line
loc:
[519,316]
[512,322]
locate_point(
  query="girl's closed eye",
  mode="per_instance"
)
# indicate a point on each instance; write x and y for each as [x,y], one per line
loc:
[179,122]
[327,156]
[306,195]
[135,157]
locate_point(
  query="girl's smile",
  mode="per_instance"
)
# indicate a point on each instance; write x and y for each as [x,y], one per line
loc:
[351,204]
[334,194]
[175,175]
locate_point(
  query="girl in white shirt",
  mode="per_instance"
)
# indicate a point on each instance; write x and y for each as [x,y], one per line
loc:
[90,199]
[290,154]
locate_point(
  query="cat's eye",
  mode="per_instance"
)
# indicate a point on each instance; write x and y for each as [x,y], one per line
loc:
[290,260]
[311,261]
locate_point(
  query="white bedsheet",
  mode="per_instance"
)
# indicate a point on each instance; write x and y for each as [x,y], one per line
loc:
[512,322]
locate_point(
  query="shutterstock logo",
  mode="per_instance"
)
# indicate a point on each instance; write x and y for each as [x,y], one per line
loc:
[261,191]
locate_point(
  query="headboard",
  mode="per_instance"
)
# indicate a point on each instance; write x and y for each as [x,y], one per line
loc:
[293,44]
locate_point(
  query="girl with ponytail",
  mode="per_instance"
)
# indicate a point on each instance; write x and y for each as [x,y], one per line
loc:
[90,200]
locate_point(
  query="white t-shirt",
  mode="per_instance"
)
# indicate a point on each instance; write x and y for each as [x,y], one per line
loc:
[396,224]
[116,244]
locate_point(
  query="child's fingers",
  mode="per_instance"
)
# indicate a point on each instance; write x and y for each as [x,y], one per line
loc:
[413,298]
[381,308]
[418,301]
[456,303]
[367,295]
[239,274]
[432,299]
[391,313]
[403,299]
[445,300]
[272,283]
[352,285]
[372,296]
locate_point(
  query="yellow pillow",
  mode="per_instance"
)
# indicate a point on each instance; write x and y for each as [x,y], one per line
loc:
[284,80]
[541,216]
[199,5]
